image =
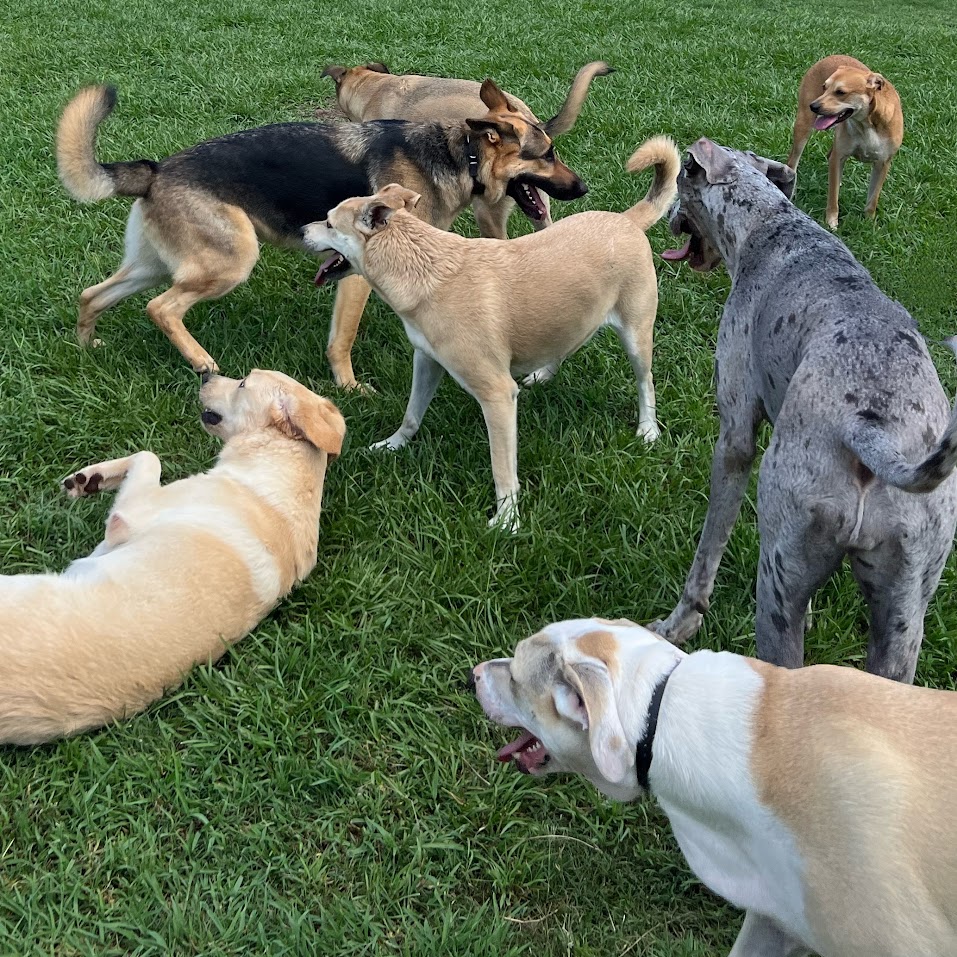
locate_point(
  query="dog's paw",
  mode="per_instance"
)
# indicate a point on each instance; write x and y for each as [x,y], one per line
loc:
[83,483]
[391,444]
[832,222]
[545,374]
[679,631]
[505,520]
[649,431]
[203,364]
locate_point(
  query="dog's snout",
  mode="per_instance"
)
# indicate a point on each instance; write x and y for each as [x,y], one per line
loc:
[205,376]
[471,680]
[580,190]
[815,106]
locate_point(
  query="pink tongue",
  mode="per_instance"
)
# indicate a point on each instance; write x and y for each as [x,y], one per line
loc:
[676,255]
[524,741]
[824,122]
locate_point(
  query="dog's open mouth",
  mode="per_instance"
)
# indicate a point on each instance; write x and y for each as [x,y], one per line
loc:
[826,122]
[528,198]
[209,417]
[527,751]
[335,267]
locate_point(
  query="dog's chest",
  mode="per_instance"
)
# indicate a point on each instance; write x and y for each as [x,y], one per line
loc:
[869,146]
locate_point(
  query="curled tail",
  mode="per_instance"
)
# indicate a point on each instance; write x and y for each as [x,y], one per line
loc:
[565,118]
[86,179]
[870,442]
[660,152]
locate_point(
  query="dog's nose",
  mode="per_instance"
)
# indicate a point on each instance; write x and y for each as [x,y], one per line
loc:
[815,107]
[470,681]
[205,376]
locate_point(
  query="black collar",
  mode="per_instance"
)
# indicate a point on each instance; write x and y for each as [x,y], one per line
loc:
[643,749]
[478,187]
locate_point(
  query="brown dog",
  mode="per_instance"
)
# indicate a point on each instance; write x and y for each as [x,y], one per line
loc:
[201,214]
[863,109]
[184,570]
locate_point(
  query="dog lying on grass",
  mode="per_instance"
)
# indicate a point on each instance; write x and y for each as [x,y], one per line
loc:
[184,570]
[486,310]
[821,801]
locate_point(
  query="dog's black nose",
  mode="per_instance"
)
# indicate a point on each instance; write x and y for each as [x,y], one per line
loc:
[205,376]
[470,681]
[815,107]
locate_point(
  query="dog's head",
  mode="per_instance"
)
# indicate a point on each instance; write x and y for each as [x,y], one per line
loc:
[717,182]
[847,91]
[350,82]
[581,693]
[516,157]
[270,401]
[349,227]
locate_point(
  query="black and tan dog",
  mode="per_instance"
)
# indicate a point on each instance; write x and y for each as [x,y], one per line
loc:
[202,213]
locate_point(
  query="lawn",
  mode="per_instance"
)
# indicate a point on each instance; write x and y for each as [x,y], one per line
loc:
[329,787]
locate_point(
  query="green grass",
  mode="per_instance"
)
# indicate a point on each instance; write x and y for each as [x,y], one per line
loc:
[329,787]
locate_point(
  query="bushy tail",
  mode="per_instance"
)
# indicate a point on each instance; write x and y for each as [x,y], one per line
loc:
[870,442]
[660,152]
[565,118]
[86,179]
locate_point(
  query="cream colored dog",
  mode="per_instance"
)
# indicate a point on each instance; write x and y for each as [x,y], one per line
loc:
[486,310]
[822,801]
[184,570]
[863,109]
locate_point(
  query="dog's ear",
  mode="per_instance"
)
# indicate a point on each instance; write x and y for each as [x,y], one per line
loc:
[715,161]
[376,213]
[493,97]
[587,697]
[875,82]
[782,176]
[336,72]
[407,197]
[378,67]
[492,130]
[310,418]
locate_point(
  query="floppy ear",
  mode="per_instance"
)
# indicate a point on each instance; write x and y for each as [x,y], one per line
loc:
[715,161]
[588,697]
[782,176]
[310,418]
[409,198]
[336,72]
[378,67]
[875,82]
[493,97]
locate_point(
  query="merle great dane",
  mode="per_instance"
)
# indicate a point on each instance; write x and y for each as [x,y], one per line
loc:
[861,462]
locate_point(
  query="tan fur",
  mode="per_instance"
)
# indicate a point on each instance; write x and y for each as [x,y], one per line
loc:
[864,771]
[85,179]
[602,645]
[184,571]
[486,310]
[873,134]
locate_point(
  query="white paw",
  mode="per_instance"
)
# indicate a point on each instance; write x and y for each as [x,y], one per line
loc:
[391,444]
[538,376]
[505,520]
[648,431]
[832,222]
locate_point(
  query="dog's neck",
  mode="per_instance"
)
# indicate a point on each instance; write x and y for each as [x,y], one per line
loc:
[752,211]
[408,260]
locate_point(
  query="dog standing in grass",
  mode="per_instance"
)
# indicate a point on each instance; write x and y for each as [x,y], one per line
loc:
[184,570]
[840,93]
[487,310]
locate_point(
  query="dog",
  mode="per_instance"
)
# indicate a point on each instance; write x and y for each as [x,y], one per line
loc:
[371,92]
[486,310]
[821,801]
[863,109]
[201,214]
[184,571]
[861,421]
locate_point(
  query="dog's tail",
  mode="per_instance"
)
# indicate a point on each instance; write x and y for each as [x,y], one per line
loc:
[565,118]
[870,442]
[86,179]
[660,152]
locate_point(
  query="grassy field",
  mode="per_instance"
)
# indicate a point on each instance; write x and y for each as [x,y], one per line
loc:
[329,788]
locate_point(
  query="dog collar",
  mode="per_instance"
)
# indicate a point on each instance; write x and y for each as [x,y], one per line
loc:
[644,747]
[478,187]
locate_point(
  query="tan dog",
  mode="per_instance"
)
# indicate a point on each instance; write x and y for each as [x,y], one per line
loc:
[822,801]
[863,109]
[486,310]
[371,92]
[184,570]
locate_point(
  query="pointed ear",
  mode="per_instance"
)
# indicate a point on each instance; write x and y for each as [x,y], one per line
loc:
[407,198]
[336,72]
[875,82]
[493,97]
[375,215]
[493,131]
[715,161]
[597,712]
[310,418]
[378,67]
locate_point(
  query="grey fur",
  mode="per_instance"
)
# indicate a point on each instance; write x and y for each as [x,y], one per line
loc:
[861,421]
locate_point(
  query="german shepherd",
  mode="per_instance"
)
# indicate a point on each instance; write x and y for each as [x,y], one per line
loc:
[371,92]
[201,214]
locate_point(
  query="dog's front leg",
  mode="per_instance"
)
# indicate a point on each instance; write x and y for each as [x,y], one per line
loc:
[761,937]
[500,408]
[878,175]
[835,169]
[426,376]
[730,469]
[352,294]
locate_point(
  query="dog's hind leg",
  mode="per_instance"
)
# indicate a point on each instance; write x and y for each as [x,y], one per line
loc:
[500,408]
[426,376]
[132,474]
[761,937]
[635,325]
[141,269]
[352,294]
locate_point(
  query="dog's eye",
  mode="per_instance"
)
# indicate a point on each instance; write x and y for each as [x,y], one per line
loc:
[550,155]
[242,384]
[838,92]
